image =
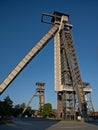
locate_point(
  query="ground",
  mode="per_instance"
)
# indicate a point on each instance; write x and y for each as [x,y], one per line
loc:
[43,124]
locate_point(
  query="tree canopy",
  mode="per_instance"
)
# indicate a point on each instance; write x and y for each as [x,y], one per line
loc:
[8,109]
[47,110]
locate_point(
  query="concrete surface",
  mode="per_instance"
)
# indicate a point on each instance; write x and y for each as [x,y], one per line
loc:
[43,124]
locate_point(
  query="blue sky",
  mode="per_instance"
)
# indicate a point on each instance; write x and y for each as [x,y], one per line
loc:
[21,29]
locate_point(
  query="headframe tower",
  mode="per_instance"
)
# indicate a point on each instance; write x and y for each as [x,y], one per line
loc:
[71,90]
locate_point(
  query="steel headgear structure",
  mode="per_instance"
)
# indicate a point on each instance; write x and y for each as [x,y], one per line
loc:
[72,92]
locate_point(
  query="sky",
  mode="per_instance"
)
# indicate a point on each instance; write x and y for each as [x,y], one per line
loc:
[21,28]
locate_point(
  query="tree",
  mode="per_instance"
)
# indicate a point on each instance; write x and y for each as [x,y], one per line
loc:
[28,111]
[6,107]
[8,103]
[18,109]
[47,109]
[22,106]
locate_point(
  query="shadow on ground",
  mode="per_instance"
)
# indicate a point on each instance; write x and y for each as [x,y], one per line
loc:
[94,122]
[28,124]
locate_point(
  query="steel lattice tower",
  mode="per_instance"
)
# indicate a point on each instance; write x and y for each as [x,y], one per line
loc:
[68,83]
[73,95]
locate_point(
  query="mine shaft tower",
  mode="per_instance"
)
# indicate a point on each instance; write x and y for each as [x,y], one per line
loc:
[40,90]
[72,92]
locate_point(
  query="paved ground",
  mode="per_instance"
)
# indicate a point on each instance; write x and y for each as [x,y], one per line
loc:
[42,124]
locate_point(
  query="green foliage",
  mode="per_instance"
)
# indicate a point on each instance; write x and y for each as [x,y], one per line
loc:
[18,109]
[8,102]
[28,111]
[6,107]
[47,110]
